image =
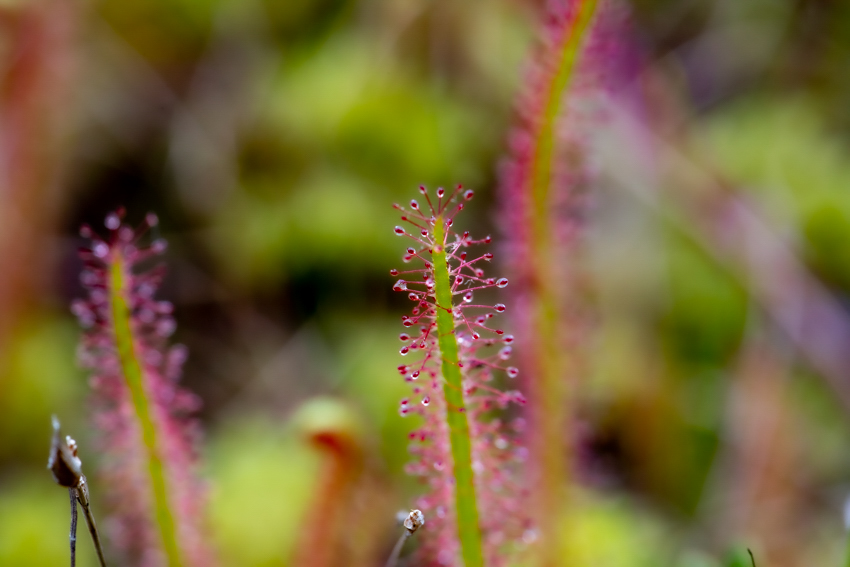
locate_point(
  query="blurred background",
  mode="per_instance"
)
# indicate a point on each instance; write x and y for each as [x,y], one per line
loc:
[272,136]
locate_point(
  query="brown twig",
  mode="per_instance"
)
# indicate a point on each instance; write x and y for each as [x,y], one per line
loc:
[73,536]
[391,562]
[83,498]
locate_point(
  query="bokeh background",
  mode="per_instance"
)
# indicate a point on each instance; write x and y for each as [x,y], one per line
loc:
[272,136]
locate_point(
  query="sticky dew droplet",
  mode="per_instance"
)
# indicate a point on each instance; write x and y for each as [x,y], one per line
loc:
[88,278]
[512,372]
[100,249]
[503,282]
[112,221]
[166,327]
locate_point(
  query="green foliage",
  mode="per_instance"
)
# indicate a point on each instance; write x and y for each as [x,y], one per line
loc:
[740,557]
[35,522]
[609,531]
[39,378]
[337,133]
[367,359]
[778,149]
[262,480]
[707,309]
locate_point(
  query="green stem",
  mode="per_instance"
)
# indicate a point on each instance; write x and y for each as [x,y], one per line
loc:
[132,370]
[549,391]
[468,530]
[545,139]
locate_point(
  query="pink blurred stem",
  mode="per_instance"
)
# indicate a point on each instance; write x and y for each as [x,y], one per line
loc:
[732,231]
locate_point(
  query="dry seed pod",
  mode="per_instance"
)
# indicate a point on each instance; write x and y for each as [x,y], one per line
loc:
[63,461]
[67,471]
[414,520]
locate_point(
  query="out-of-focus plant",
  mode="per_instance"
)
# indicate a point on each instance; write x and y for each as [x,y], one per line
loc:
[143,417]
[332,429]
[466,455]
[543,186]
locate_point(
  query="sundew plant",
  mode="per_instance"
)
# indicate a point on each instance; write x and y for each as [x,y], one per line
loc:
[143,418]
[467,456]
[647,364]
[544,186]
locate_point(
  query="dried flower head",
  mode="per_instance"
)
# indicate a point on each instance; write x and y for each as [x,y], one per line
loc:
[414,520]
[63,462]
